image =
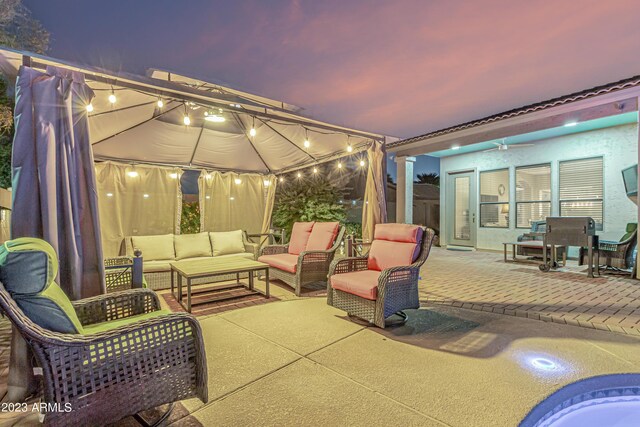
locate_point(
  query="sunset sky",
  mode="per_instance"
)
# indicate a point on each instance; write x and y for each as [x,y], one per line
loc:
[397,67]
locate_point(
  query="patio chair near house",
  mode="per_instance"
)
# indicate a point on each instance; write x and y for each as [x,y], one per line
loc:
[385,282]
[105,357]
[616,255]
[307,257]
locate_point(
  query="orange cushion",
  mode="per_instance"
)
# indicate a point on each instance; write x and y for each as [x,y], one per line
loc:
[385,254]
[398,233]
[361,283]
[299,237]
[322,236]
[285,262]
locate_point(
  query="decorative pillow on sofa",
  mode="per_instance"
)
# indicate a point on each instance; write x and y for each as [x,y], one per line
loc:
[299,237]
[192,245]
[28,268]
[153,248]
[226,242]
[322,236]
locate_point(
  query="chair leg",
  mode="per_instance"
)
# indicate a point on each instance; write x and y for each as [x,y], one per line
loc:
[159,421]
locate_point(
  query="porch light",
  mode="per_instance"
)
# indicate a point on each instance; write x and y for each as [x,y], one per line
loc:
[570,124]
[89,107]
[455,147]
[238,181]
[160,103]
[132,174]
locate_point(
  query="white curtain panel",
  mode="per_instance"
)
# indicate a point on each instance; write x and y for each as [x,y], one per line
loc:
[137,200]
[233,201]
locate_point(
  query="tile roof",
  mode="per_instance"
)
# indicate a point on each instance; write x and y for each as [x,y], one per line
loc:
[577,96]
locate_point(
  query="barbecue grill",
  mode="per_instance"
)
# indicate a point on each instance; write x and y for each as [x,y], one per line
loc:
[571,231]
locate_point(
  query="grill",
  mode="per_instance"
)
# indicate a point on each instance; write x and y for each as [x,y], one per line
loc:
[571,231]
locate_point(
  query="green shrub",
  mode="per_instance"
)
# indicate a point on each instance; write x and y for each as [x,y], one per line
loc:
[190,218]
[313,199]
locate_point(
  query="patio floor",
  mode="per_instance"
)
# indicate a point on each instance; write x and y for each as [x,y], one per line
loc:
[297,361]
[483,281]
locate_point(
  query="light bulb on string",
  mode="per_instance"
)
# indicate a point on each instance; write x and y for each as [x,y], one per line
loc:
[307,144]
[281,179]
[112,96]
[253,132]
[315,170]
[186,119]
[299,175]
[349,147]
[339,165]
[160,103]
[89,107]
[362,163]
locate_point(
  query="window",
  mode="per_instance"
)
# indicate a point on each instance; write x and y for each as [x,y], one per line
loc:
[494,199]
[581,189]
[533,194]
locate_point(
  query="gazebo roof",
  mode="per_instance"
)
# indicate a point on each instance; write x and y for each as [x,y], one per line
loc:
[136,129]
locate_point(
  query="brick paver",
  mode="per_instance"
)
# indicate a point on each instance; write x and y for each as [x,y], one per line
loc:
[483,281]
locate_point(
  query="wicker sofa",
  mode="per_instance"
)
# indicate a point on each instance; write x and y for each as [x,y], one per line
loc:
[385,282]
[159,251]
[307,257]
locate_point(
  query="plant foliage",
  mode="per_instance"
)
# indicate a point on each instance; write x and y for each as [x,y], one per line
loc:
[190,223]
[314,199]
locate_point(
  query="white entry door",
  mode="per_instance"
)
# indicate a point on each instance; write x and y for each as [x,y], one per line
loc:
[461,209]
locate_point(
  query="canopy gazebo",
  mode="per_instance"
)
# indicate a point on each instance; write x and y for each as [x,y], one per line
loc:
[145,130]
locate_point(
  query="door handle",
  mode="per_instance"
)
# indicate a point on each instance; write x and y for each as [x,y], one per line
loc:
[473,218]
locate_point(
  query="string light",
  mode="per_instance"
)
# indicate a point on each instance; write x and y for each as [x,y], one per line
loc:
[112,96]
[232,198]
[315,170]
[132,174]
[349,147]
[109,194]
[238,181]
[186,119]
[174,175]
[339,165]
[266,183]
[89,107]
[307,144]
[299,175]
[253,132]
[146,196]
[362,163]
[160,103]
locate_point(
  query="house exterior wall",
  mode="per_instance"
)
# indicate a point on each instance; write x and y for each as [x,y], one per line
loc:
[618,147]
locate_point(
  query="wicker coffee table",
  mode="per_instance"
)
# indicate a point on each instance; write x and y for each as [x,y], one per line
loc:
[188,270]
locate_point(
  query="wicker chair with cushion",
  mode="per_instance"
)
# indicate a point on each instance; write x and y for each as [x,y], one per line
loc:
[105,357]
[385,282]
[616,255]
[307,257]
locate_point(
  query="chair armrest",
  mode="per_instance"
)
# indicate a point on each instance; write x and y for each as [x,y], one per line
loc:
[117,305]
[253,248]
[346,265]
[395,275]
[275,249]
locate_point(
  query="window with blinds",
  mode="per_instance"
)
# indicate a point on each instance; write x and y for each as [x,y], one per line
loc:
[494,199]
[533,194]
[582,189]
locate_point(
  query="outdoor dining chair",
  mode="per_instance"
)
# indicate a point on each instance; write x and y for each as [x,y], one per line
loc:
[385,282]
[102,358]
[307,256]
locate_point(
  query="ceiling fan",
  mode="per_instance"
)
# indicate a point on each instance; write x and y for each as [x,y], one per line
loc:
[502,146]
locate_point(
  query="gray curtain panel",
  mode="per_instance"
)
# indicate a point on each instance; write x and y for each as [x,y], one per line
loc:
[54,184]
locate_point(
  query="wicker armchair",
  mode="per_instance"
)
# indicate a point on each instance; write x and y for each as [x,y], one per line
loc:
[397,287]
[106,376]
[616,255]
[312,266]
[124,272]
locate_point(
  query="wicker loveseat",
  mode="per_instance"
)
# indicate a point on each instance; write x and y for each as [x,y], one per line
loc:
[159,251]
[307,257]
[385,282]
[102,358]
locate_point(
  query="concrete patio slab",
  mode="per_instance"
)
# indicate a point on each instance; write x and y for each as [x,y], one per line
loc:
[303,325]
[468,368]
[236,357]
[305,393]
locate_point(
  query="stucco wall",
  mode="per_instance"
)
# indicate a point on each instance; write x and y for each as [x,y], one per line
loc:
[617,145]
